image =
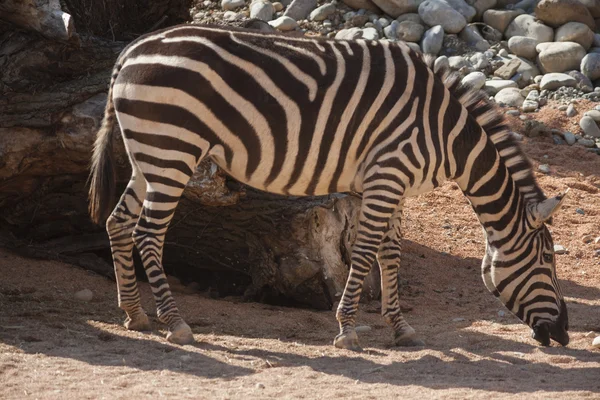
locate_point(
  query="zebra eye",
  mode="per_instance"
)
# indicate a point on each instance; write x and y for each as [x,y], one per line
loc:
[548,257]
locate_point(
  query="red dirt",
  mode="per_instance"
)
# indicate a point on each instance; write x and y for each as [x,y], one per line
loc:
[53,346]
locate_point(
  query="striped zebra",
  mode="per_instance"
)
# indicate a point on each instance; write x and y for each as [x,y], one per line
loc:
[305,116]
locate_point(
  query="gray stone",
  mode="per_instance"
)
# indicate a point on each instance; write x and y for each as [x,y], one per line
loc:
[500,19]
[229,5]
[284,23]
[459,319]
[432,40]
[571,111]
[362,328]
[527,25]
[523,46]
[410,17]
[590,66]
[370,34]
[440,63]
[300,9]
[409,31]
[321,13]
[545,168]
[530,105]
[414,46]
[479,61]
[84,295]
[560,56]
[262,9]
[278,6]
[464,8]
[569,138]
[558,12]
[439,12]
[231,16]
[474,79]
[349,34]
[473,38]
[492,87]
[575,32]
[507,70]
[395,8]
[482,6]
[555,80]
[362,4]
[559,249]
[510,96]
[457,62]
[583,82]
[596,42]
[589,127]
[391,31]
[594,114]
[589,143]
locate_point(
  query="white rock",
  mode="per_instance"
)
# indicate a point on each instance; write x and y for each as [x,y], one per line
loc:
[84,295]
[596,342]
[262,9]
[370,34]
[510,96]
[555,80]
[284,23]
[260,385]
[575,32]
[300,9]
[590,66]
[523,46]
[560,56]
[409,31]
[471,35]
[492,87]
[594,114]
[440,12]
[414,46]
[527,25]
[530,105]
[457,62]
[396,8]
[545,168]
[479,61]
[441,62]
[500,19]
[571,111]
[474,79]
[231,16]
[559,249]
[589,127]
[432,40]
[321,13]
[229,5]
[349,34]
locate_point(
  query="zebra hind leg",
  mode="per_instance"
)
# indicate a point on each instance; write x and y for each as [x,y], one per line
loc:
[149,236]
[120,227]
[388,257]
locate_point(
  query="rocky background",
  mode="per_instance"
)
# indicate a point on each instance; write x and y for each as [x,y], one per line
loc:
[55,64]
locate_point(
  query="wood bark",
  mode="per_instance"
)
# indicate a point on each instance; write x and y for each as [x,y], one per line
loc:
[228,238]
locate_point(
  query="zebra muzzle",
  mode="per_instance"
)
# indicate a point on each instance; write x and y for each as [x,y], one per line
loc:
[544,331]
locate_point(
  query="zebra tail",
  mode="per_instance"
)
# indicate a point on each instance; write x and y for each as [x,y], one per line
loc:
[102,178]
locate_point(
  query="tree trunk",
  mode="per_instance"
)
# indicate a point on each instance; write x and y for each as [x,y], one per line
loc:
[226,237]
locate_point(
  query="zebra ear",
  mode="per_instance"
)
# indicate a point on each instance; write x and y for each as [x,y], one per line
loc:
[543,211]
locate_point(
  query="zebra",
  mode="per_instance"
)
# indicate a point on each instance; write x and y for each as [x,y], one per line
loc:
[306,116]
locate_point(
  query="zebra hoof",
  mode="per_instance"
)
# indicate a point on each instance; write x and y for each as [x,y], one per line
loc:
[140,322]
[408,340]
[348,341]
[180,334]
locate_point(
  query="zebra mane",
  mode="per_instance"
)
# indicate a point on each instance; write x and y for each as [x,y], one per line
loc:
[492,120]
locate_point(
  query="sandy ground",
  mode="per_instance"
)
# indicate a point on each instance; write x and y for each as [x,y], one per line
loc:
[53,346]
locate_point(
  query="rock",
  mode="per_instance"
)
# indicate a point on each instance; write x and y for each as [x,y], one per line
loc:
[229,5]
[571,111]
[580,211]
[596,42]
[358,20]
[586,143]
[575,32]
[479,61]
[349,34]
[260,385]
[558,12]
[84,295]
[370,34]
[439,12]
[510,96]
[457,62]
[321,13]
[262,9]
[593,7]
[588,239]
[523,46]
[300,9]
[481,6]
[594,114]
[555,80]
[474,79]
[569,138]
[494,86]
[589,127]
[414,46]
[362,328]
[473,38]
[440,63]
[362,4]
[464,8]
[432,40]
[590,66]
[559,249]
[500,19]
[530,105]
[409,31]
[410,17]
[583,82]
[284,23]
[560,56]
[508,70]
[527,25]
[501,313]
[459,319]
[391,31]
[396,8]
[545,168]
[596,342]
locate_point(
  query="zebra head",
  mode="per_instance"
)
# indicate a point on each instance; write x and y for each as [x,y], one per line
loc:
[521,273]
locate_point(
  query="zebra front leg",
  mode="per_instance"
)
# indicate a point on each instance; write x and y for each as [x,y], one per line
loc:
[372,223]
[149,235]
[120,227]
[388,257]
